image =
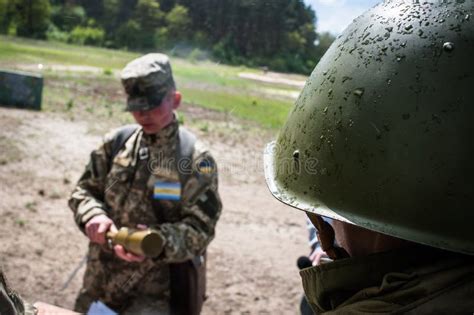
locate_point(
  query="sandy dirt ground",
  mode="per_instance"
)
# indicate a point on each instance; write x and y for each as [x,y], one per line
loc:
[252,260]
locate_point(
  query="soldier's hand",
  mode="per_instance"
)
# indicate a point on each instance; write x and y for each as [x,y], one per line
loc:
[48,309]
[97,227]
[318,257]
[127,256]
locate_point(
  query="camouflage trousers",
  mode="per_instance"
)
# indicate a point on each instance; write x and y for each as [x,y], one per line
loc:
[142,287]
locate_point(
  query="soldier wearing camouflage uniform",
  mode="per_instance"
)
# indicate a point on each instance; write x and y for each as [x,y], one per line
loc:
[145,184]
[380,140]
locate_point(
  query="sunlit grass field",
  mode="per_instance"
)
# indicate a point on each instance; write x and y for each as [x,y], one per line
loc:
[203,83]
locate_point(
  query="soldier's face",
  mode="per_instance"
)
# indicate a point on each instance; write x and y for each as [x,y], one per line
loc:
[153,120]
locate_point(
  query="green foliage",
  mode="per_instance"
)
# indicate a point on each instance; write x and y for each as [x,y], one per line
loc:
[148,14]
[197,55]
[148,17]
[33,17]
[69,104]
[181,119]
[200,39]
[109,18]
[67,17]
[3,16]
[55,34]
[324,41]
[279,34]
[87,36]
[127,35]
[108,72]
[295,42]
[161,38]
[204,127]
[178,22]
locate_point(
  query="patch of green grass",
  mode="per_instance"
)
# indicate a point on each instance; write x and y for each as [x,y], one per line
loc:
[108,72]
[20,222]
[203,83]
[31,206]
[267,112]
[35,51]
[204,127]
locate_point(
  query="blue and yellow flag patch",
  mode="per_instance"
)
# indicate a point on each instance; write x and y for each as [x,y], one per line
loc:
[167,190]
[205,167]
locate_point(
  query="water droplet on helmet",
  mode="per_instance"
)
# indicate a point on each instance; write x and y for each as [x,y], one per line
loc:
[359,92]
[448,46]
[345,78]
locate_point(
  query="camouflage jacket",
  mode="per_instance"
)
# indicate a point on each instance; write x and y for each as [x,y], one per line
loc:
[419,280]
[141,185]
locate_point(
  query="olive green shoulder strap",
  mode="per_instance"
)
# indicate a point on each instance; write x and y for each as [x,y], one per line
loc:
[122,135]
[184,154]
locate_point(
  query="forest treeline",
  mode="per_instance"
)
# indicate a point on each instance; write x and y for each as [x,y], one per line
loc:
[278,34]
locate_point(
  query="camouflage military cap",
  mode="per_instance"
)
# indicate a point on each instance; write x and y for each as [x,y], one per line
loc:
[146,81]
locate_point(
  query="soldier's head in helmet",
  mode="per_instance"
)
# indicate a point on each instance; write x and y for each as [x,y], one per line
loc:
[151,92]
[380,137]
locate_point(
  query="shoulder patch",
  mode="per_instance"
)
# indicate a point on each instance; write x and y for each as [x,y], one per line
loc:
[205,165]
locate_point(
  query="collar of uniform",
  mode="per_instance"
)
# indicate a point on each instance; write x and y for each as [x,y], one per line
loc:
[164,136]
[329,285]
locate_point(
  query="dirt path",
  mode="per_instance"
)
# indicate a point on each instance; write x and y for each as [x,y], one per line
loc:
[252,266]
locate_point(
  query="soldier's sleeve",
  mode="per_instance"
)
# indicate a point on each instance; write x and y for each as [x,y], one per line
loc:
[201,208]
[10,302]
[87,198]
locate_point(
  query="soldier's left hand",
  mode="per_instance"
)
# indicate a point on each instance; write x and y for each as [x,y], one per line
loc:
[127,256]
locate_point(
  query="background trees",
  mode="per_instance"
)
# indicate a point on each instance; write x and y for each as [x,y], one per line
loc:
[29,18]
[279,34]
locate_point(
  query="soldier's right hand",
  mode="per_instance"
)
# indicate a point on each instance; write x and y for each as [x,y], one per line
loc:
[97,228]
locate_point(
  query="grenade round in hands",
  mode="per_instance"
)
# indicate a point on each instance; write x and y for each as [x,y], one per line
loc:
[139,242]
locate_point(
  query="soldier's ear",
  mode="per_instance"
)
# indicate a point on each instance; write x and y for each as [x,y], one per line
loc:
[177,99]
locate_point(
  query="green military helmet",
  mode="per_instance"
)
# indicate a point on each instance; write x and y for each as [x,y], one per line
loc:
[382,133]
